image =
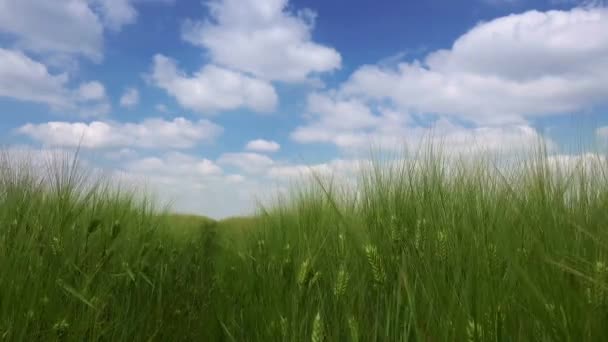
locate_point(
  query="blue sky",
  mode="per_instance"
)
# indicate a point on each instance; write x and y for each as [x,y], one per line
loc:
[215,103]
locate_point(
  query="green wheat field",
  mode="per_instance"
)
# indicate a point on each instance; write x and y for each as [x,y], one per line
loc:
[428,248]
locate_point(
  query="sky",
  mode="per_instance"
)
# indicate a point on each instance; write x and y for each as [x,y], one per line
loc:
[213,105]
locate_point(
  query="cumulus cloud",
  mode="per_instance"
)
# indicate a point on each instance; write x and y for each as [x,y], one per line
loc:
[261,145]
[194,184]
[61,29]
[25,79]
[479,95]
[602,132]
[342,122]
[68,26]
[130,98]
[235,179]
[150,133]
[263,38]
[175,164]
[116,13]
[161,108]
[247,162]
[504,70]
[121,154]
[354,126]
[91,91]
[213,88]
[588,162]
[339,168]
[198,185]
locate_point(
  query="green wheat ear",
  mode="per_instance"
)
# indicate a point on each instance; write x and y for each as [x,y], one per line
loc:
[284,326]
[474,331]
[395,231]
[493,259]
[341,245]
[442,245]
[61,328]
[317,329]
[375,263]
[116,228]
[596,294]
[304,274]
[354,329]
[341,282]
[418,235]
[93,225]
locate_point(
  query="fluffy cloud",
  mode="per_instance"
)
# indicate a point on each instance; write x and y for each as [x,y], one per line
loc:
[130,98]
[602,132]
[194,184]
[176,164]
[116,13]
[150,133]
[339,168]
[91,91]
[355,126]
[342,122]
[504,70]
[25,79]
[262,38]
[68,26]
[247,162]
[497,76]
[261,145]
[213,88]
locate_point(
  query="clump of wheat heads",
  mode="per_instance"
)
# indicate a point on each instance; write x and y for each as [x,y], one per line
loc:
[375,262]
[341,282]
[304,274]
[318,333]
[353,328]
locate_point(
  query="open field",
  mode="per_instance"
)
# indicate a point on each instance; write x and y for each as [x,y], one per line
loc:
[426,250]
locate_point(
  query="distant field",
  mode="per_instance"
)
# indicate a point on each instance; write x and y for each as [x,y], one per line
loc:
[425,250]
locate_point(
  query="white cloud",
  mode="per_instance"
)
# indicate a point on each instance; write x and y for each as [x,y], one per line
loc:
[569,163]
[236,178]
[93,110]
[342,122]
[116,13]
[350,124]
[150,133]
[91,91]
[194,184]
[602,132]
[130,98]
[355,127]
[175,164]
[339,168]
[213,88]
[121,154]
[261,145]
[162,108]
[263,38]
[247,162]
[25,79]
[67,26]
[504,70]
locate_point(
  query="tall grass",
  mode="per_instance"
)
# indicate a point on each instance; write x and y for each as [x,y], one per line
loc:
[428,249]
